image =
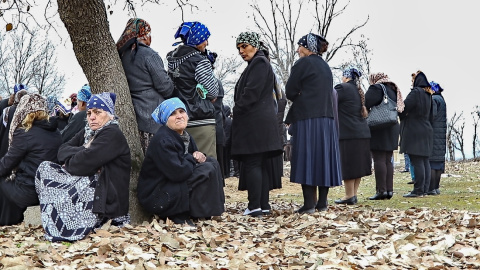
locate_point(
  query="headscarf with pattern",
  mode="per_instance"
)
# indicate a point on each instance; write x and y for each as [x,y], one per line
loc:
[28,104]
[436,87]
[380,77]
[352,73]
[17,87]
[104,101]
[135,29]
[251,38]
[166,108]
[312,42]
[85,93]
[192,33]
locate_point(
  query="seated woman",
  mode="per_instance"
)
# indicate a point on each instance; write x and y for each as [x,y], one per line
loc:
[176,180]
[33,138]
[92,184]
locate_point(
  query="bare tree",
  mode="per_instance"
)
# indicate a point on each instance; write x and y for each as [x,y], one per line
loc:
[475,139]
[226,70]
[455,135]
[31,61]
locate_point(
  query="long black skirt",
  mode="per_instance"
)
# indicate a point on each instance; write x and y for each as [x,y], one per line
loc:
[356,158]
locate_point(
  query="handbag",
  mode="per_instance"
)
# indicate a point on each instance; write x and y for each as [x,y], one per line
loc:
[384,114]
[199,107]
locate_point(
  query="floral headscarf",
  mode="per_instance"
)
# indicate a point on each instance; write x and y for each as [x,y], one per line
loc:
[380,77]
[28,104]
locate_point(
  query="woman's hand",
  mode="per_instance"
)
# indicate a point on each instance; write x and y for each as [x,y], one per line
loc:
[199,157]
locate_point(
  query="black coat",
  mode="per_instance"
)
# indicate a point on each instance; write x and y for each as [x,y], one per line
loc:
[416,133]
[254,125]
[439,125]
[4,130]
[165,171]
[351,122]
[110,153]
[29,149]
[385,139]
[76,124]
[310,89]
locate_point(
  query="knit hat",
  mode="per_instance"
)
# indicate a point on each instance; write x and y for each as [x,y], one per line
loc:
[166,108]
[251,38]
[192,33]
[104,101]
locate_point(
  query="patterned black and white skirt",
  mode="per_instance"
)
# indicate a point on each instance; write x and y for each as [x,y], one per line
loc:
[66,203]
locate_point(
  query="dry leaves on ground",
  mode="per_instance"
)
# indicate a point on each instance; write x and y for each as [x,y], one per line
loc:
[342,238]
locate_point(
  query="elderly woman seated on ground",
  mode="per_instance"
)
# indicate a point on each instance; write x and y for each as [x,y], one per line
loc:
[176,180]
[91,185]
[32,139]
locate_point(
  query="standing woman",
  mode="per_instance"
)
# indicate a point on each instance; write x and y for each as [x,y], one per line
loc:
[384,140]
[416,133]
[254,128]
[354,134]
[315,151]
[439,125]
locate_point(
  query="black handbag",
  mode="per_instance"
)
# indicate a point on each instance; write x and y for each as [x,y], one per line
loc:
[384,114]
[200,107]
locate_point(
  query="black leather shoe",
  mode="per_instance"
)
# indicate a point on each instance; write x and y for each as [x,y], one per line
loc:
[304,210]
[432,192]
[412,195]
[389,195]
[438,191]
[411,182]
[349,201]
[379,196]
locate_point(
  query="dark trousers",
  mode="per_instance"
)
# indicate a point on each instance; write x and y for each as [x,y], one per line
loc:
[382,164]
[421,166]
[221,158]
[435,179]
[256,177]
[14,200]
[310,197]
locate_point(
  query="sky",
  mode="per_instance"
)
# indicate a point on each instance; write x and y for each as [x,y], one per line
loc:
[437,37]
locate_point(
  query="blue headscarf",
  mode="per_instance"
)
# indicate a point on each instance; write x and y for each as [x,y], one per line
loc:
[166,108]
[17,87]
[352,73]
[51,102]
[436,87]
[192,33]
[84,94]
[104,101]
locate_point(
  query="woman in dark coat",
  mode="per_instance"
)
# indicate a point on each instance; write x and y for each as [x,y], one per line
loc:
[439,125]
[92,184]
[176,180]
[354,134]
[384,140]
[33,138]
[254,128]
[416,133]
[315,148]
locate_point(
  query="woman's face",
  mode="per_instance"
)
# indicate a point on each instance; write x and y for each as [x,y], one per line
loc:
[178,121]
[246,51]
[302,51]
[202,46]
[97,118]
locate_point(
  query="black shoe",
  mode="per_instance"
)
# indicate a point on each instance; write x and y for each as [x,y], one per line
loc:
[266,212]
[412,195]
[349,201]
[404,171]
[304,210]
[182,220]
[379,196]
[253,213]
[411,182]
[389,195]
[438,191]
[432,192]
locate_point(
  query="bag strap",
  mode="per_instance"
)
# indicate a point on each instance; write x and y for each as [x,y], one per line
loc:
[384,90]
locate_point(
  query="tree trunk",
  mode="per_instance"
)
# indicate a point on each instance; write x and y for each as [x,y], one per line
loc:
[87,24]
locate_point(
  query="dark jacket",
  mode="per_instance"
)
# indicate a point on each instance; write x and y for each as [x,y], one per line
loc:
[162,185]
[4,130]
[109,153]
[219,117]
[385,139]
[352,124]
[439,125]
[254,125]
[29,149]
[76,123]
[310,89]
[416,133]
[149,84]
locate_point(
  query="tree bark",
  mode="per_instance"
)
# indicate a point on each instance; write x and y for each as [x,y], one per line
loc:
[87,25]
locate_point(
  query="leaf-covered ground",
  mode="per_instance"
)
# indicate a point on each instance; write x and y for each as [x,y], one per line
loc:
[422,233]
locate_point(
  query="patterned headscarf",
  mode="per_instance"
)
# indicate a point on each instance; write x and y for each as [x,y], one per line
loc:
[28,104]
[51,102]
[436,87]
[192,33]
[251,38]
[352,73]
[380,77]
[17,87]
[136,28]
[312,42]
[104,101]
[166,108]
[85,93]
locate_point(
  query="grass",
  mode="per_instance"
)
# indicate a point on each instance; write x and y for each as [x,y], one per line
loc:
[459,186]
